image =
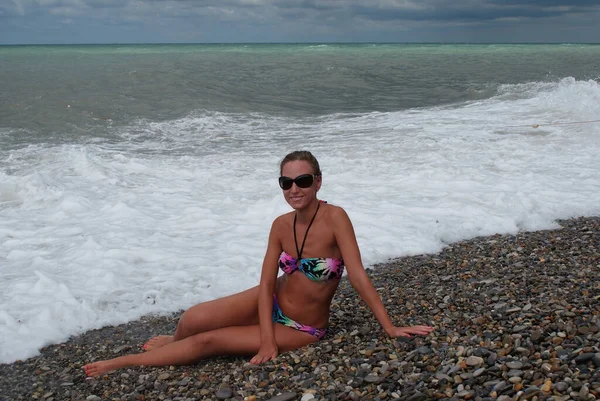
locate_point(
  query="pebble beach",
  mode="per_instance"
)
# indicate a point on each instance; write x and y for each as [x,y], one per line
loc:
[516,317]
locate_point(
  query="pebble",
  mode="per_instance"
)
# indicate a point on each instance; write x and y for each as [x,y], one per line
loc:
[584,392]
[584,358]
[474,360]
[547,387]
[284,397]
[515,372]
[514,365]
[224,393]
[372,379]
[164,376]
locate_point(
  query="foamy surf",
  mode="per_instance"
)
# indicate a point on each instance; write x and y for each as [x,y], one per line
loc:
[173,213]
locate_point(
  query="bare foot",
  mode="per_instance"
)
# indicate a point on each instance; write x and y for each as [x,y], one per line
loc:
[157,342]
[97,368]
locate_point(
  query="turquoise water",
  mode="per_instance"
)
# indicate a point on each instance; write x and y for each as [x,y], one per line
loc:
[58,91]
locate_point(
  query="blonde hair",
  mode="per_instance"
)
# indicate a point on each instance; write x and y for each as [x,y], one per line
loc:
[304,155]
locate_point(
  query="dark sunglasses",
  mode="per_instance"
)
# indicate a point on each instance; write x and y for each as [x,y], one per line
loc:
[302,181]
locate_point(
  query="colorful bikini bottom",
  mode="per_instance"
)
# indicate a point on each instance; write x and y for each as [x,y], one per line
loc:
[279,317]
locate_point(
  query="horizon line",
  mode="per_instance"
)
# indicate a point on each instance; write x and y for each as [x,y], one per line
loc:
[292,43]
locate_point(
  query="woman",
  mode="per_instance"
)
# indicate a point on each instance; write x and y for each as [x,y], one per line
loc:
[280,314]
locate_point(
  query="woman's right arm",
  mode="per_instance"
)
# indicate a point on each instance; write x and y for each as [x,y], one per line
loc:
[268,279]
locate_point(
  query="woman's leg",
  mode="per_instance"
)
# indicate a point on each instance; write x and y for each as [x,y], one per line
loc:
[233,340]
[240,309]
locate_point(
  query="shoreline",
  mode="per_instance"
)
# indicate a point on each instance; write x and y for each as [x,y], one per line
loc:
[514,315]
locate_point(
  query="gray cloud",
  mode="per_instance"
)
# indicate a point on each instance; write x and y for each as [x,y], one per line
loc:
[433,10]
[469,11]
[295,20]
[11,8]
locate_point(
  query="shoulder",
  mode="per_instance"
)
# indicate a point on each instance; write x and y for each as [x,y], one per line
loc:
[340,222]
[278,228]
[336,214]
[334,210]
[282,220]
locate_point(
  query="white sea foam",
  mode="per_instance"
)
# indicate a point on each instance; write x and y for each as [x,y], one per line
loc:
[178,212]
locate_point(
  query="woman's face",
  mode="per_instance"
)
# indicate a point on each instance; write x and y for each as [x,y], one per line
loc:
[297,197]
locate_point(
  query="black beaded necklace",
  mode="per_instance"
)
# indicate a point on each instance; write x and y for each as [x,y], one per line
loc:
[299,251]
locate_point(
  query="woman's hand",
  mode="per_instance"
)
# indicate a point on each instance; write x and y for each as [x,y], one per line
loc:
[265,353]
[408,330]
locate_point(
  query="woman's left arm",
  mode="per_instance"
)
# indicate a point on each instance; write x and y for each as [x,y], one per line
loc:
[346,240]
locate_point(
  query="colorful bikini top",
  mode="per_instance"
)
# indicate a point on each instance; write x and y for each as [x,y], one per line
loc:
[316,269]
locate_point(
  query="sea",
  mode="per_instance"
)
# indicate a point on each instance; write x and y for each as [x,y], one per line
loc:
[142,179]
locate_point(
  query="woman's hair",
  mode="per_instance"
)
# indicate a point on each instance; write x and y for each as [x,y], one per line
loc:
[304,155]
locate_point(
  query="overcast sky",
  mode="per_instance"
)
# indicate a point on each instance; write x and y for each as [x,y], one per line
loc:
[208,21]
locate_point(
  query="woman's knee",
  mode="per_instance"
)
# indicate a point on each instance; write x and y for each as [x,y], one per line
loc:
[202,340]
[209,343]
[192,321]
